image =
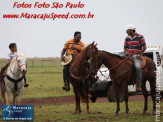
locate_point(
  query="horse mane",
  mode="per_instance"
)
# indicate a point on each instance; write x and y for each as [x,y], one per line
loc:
[113,55]
[78,57]
[84,50]
[22,55]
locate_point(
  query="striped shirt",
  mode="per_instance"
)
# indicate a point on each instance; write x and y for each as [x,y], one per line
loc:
[134,45]
[80,45]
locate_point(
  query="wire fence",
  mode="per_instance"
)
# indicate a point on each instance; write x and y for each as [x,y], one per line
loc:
[36,62]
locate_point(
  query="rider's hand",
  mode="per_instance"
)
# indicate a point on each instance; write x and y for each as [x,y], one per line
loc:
[138,56]
[73,48]
[62,58]
[127,53]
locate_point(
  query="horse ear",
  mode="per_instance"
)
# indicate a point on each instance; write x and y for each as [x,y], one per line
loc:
[96,44]
[93,43]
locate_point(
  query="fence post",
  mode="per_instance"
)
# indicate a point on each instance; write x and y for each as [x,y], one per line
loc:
[33,64]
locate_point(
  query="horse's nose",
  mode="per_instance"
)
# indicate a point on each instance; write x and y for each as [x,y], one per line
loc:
[24,71]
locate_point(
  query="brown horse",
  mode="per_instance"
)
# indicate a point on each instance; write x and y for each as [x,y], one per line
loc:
[79,75]
[121,76]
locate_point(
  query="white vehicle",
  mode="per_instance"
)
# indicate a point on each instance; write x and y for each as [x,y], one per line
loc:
[102,87]
[154,54]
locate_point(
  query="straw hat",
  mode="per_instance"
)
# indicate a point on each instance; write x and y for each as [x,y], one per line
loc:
[67,60]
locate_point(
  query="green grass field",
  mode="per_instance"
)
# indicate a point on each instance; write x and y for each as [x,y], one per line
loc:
[47,82]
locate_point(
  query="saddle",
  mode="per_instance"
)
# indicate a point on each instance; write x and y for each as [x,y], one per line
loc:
[143,62]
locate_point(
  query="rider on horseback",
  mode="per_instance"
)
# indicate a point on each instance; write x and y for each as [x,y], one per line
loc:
[72,47]
[135,45]
[10,57]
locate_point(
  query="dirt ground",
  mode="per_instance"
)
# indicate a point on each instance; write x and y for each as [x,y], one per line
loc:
[68,99]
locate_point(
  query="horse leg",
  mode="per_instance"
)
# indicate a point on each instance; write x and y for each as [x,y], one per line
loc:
[76,98]
[117,97]
[14,98]
[79,108]
[126,95]
[145,94]
[87,102]
[18,94]
[3,97]
[9,97]
[153,93]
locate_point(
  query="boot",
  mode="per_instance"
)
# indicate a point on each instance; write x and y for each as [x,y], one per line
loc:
[138,88]
[66,86]
[25,84]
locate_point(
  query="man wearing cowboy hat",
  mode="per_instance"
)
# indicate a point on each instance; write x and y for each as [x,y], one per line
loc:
[135,45]
[71,47]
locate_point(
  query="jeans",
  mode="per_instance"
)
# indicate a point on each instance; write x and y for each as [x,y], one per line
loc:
[137,64]
[66,72]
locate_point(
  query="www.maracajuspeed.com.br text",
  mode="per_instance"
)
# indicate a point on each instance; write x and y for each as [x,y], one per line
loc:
[52,16]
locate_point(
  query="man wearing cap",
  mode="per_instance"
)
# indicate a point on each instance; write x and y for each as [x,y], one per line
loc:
[71,47]
[135,46]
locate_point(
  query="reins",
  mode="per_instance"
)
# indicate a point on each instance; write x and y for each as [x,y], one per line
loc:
[119,63]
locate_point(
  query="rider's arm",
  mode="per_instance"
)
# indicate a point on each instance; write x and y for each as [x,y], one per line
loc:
[126,51]
[125,47]
[8,58]
[62,53]
[82,47]
[143,44]
[143,49]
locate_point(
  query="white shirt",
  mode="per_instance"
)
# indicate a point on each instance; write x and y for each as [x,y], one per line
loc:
[11,56]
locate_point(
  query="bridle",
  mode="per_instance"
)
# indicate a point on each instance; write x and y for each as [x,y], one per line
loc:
[90,54]
[19,66]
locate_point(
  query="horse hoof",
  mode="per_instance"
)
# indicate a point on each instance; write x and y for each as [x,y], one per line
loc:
[153,112]
[75,112]
[143,113]
[88,112]
[80,112]
[127,114]
[116,114]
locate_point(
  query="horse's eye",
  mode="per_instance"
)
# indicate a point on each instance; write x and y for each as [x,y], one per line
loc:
[19,61]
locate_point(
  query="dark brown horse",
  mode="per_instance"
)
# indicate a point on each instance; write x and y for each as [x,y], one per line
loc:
[79,75]
[121,76]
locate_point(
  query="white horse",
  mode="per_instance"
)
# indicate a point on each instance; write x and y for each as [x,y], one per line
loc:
[13,82]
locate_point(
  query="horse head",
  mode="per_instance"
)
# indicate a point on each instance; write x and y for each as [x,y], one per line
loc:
[92,54]
[21,63]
